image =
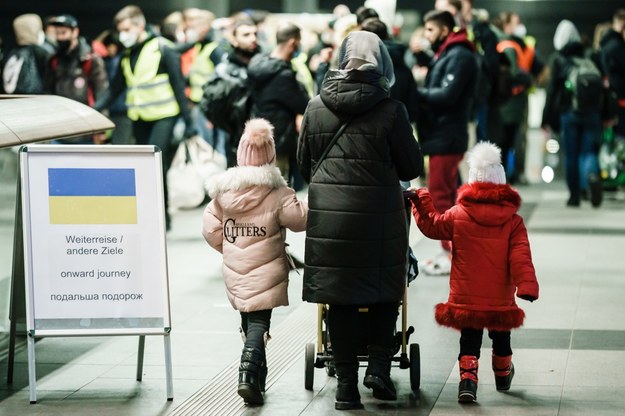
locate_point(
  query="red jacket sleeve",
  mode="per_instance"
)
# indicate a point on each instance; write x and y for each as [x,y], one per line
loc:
[432,224]
[521,265]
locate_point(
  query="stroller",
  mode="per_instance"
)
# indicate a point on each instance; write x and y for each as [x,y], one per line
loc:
[405,358]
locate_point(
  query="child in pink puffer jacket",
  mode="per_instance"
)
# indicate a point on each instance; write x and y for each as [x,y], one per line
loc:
[246,221]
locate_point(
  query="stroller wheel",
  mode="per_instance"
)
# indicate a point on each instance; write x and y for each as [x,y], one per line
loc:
[415,367]
[309,373]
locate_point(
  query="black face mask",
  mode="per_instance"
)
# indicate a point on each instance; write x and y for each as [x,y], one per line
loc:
[62,46]
[437,44]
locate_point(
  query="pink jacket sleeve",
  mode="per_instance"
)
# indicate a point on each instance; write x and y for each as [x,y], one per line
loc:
[293,213]
[212,226]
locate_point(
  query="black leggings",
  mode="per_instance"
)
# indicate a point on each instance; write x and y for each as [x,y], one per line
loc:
[471,342]
[254,325]
[345,329]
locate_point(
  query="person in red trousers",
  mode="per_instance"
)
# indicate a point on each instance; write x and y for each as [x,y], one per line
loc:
[491,262]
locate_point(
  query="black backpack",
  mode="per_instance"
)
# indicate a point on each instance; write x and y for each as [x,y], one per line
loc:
[226,101]
[585,85]
[20,74]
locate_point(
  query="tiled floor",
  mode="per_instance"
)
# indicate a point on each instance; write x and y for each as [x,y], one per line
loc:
[569,356]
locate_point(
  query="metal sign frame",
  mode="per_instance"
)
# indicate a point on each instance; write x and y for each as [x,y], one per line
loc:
[23,258]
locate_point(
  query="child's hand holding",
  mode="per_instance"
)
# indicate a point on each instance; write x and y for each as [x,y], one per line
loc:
[415,194]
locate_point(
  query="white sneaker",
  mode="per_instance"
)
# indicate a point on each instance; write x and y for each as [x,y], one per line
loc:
[438,266]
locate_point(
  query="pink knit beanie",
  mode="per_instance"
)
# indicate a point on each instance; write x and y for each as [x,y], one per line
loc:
[257,147]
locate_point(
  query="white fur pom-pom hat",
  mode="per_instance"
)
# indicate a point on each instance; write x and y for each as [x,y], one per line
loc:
[485,164]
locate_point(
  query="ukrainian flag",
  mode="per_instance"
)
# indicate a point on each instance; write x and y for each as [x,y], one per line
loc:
[92,196]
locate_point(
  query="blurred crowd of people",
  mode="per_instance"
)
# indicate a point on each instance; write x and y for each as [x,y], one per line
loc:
[268,91]
[461,77]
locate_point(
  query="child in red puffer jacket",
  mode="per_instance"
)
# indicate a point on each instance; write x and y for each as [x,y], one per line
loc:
[491,262]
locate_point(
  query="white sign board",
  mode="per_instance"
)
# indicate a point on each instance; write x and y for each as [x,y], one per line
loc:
[94,240]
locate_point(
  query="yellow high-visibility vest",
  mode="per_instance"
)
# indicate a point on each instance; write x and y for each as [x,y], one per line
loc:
[149,96]
[201,69]
[302,73]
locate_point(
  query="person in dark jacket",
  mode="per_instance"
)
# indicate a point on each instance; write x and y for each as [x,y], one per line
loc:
[24,67]
[613,60]
[357,234]
[243,47]
[75,71]
[277,96]
[580,131]
[445,102]
[405,87]
[118,110]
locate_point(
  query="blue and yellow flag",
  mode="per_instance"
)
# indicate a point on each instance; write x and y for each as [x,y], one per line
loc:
[92,196]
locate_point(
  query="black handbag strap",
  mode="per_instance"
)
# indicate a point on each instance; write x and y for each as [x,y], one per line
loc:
[329,147]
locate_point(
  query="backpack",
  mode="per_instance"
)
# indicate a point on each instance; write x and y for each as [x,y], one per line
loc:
[20,74]
[585,85]
[226,101]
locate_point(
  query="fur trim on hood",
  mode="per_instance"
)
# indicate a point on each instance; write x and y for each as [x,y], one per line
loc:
[242,177]
[489,193]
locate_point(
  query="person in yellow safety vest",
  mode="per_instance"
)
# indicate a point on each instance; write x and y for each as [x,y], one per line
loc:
[200,54]
[150,73]
[206,52]
[302,73]
[524,66]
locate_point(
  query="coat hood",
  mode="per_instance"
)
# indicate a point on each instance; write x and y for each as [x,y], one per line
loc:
[566,32]
[263,68]
[364,77]
[365,52]
[352,91]
[27,28]
[477,199]
[245,187]
[456,38]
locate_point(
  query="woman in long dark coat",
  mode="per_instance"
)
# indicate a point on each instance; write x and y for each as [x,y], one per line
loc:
[357,233]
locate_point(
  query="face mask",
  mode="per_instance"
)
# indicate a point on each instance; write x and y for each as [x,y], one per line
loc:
[128,39]
[192,36]
[520,31]
[41,38]
[437,44]
[62,46]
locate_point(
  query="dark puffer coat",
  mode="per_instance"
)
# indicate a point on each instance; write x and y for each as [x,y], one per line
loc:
[357,234]
[277,96]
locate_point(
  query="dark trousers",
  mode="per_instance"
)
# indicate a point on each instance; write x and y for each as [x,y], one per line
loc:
[345,331]
[581,134]
[471,342]
[158,133]
[443,179]
[254,325]
[507,144]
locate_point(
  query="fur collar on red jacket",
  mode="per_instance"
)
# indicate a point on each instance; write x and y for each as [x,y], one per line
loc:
[486,192]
